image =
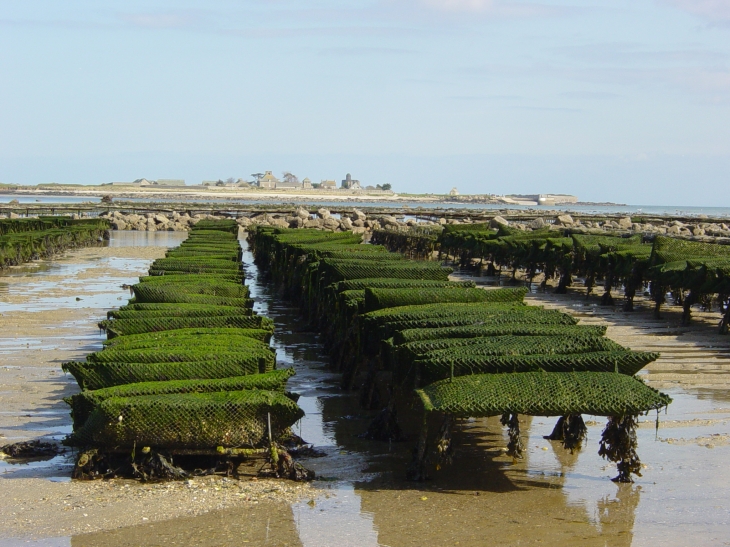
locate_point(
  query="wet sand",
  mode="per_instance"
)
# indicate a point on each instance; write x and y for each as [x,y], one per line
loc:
[550,497]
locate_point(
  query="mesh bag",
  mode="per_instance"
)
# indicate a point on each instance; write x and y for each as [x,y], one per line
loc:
[101,375]
[177,310]
[120,327]
[376,299]
[228,274]
[478,320]
[189,278]
[227,226]
[379,283]
[515,329]
[172,276]
[624,362]
[178,354]
[510,345]
[353,269]
[83,403]
[189,338]
[542,394]
[667,249]
[145,292]
[149,292]
[193,263]
[455,310]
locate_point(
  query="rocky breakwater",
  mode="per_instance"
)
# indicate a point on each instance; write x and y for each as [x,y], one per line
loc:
[154,222]
[360,222]
[357,221]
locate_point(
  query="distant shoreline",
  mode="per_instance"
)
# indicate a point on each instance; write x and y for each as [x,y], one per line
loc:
[229,194]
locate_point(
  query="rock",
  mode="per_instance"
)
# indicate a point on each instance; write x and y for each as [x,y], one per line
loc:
[160,219]
[323,213]
[244,222]
[442,221]
[565,220]
[358,229]
[313,223]
[358,223]
[302,213]
[119,224]
[673,230]
[498,221]
[331,223]
[538,223]
[296,222]
[636,227]
[698,232]
[280,222]
[346,223]
[175,215]
[624,223]
[358,215]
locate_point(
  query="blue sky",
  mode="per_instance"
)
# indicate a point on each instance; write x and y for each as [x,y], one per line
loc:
[621,101]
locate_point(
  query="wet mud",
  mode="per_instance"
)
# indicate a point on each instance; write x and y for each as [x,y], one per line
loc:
[550,497]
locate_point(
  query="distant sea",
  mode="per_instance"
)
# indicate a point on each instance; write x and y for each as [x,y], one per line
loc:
[675,210]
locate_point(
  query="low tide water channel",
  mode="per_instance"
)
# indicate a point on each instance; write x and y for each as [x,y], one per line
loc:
[551,497]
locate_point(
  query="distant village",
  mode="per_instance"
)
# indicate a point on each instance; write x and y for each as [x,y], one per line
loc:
[266,181]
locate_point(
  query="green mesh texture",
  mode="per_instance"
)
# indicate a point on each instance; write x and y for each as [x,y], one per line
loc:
[101,375]
[153,293]
[516,329]
[190,338]
[198,261]
[380,283]
[245,348]
[667,249]
[135,311]
[120,327]
[454,309]
[228,274]
[216,225]
[83,403]
[545,317]
[172,276]
[191,278]
[19,247]
[339,270]
[542,394]
[624,362]
[189,420]
[510,345]
[144,292]
[376,299]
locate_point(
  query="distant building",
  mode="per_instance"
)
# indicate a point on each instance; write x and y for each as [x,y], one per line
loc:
[350,184]
[328,185]
[306,183]
[454,192]
[268,181]
[169,182]
[288,185]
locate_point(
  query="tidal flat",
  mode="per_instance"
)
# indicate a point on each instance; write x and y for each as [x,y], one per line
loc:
[49,314]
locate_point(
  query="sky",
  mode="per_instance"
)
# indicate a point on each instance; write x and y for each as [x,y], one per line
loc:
[623,101]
